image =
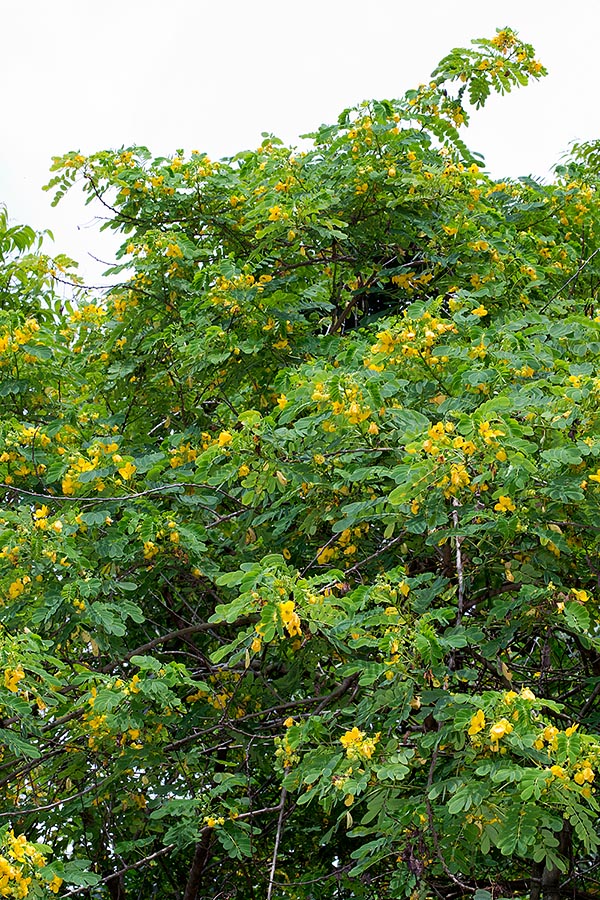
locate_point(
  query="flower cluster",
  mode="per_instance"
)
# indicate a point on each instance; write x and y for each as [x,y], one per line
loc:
[358,746]
[290,618]
[20,865]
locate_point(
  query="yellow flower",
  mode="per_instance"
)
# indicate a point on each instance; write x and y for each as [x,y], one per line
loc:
[582,596]
[571,730]
[499,729]
[505,504]
[459,476]
[526,694]
[12,677]
[558,771]
[488,433]
[479,311]
[69,483]
[225,438]
[351,737]
[356,745]
[290,618]
[282,401]
[243,470]
[477,723]
[127,470]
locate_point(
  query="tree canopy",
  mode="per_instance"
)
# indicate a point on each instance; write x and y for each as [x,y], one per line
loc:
[300,525]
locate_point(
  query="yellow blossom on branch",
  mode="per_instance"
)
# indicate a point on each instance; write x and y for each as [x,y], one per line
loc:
[357,745]
[498,730]
[477,723]
[127,470]
[12,677]
[290,618]
[505,504]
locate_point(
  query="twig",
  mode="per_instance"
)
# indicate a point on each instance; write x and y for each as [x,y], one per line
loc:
[459,565]
[277,840]
[37,809]
[589,702]
[432,829]
[385,546]
[460,577]
[125,869]
[125,497]
[569,280]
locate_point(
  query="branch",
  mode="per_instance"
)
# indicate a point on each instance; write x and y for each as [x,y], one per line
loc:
[125,497]
[125,869]
[569,280]
[277,840]
[432,830]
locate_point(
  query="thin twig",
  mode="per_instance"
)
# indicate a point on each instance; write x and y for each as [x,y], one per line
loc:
[277,840]
[432,829]
[459,565]
[459,575]
[569,280]
[125,869]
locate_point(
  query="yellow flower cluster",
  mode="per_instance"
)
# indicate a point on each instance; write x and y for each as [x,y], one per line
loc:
[496,732]
[505,504]
[12,677]
[351,404]
[357,745]
[290,618]
[89,314]
[20,863]
[285,753]
[416,339]
[345,544]
[181,455]
[18,587]
[10,342]
[79,464]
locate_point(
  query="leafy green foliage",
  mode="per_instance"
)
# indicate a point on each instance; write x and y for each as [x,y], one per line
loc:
[300,525]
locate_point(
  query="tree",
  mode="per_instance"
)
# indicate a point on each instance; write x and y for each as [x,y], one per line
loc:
[300,525]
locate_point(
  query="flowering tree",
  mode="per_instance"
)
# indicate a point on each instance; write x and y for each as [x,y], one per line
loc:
[300,525]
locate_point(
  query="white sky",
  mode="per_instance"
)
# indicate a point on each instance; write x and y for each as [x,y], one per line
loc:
[214,74]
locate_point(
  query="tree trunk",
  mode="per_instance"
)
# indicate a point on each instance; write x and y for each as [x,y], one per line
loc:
[535,884]
[551,876]
[201,855]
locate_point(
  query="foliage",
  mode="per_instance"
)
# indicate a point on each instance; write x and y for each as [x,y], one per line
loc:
[300,525]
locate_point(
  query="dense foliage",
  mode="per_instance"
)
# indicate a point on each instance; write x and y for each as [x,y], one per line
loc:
[300,527]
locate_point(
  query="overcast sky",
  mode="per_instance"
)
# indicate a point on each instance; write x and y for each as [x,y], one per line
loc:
[214,75]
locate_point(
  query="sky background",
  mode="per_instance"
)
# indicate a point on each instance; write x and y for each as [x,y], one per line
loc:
[213,75]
